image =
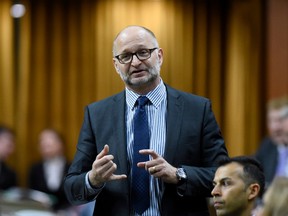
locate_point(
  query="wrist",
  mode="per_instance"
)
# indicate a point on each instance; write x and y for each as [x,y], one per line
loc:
[94,184]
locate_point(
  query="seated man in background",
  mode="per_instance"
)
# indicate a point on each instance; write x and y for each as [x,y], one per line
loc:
[238,182]
[271,147]
[282,169]
[47,175]
[8,176]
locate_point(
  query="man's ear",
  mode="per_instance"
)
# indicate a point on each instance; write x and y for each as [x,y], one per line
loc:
[160,56]
[116,66]
[253,191]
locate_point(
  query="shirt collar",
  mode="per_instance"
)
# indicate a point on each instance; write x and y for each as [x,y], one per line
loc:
[155,96]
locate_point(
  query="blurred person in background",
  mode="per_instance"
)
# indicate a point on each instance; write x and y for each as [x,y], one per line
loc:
[283,159]
[47,175]
[275,199]
[270,150]
[238,183]
[8,177]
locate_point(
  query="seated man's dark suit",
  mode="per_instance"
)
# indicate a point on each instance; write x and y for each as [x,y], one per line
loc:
[267,154]
[193,141]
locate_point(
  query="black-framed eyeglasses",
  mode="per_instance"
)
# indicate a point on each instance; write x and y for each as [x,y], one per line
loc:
[142,55]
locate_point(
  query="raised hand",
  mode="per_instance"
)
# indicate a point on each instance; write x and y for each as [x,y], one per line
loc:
[103,168]
[159,167]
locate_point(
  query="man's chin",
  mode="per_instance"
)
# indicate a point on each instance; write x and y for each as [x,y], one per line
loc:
[220,212]
[139,81]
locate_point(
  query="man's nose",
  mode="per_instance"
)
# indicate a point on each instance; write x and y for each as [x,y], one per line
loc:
[215,191]
[135,60]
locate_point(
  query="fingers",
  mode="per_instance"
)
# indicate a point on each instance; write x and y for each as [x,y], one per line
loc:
[104,167]
[106,163]
[152,170]
[150,152]
[103,152]
[118,177]
[142,165]
[107,170]
[150,166]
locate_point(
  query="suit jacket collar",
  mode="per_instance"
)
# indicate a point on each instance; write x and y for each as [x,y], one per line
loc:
[173,123]
[119,122]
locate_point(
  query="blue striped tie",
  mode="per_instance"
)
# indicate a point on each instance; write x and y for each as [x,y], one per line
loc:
[140,177]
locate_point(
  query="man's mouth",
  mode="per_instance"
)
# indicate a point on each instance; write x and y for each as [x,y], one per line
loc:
[138,71]
[218,204]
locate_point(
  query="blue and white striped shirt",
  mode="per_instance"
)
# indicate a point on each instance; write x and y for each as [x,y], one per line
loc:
[156,111]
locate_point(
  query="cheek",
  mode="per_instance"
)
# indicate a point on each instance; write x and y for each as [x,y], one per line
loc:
[229,194]
[235,199]
[123,70]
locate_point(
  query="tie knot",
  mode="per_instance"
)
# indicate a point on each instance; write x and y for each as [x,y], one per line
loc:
[142,101]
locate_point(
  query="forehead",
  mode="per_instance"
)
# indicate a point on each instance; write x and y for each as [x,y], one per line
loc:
[48,134]
[274,113]
[134,38]
[232,171]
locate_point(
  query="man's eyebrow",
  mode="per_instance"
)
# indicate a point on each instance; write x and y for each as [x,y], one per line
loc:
[221,180]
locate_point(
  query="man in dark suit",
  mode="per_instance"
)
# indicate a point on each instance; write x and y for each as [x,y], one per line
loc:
[8,176]
[184,140]
[267,155]
[270,147]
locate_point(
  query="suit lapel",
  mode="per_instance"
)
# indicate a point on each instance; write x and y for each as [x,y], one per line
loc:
[120,131]
[174,118]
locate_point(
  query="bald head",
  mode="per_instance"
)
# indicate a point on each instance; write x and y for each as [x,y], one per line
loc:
[134,34]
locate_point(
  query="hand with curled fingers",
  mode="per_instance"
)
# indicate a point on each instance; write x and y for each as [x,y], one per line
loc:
[158,167]
[103,168]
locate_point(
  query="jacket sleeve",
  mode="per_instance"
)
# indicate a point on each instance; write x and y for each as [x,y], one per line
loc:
[74,182]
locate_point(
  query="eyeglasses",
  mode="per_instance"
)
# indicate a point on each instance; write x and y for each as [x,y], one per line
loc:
[142,55]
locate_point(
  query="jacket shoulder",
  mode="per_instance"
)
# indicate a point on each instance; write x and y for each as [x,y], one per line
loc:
[181,95]
[107,101]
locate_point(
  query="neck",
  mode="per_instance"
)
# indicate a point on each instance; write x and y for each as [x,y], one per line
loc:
[248,211]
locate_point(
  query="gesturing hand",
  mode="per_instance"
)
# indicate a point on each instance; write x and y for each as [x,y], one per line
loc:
[159,167]
[103,168]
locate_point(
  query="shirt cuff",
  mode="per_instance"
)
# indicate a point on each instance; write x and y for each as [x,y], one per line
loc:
[92,191]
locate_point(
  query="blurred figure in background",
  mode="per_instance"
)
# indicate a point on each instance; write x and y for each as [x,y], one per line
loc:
[275,199]
[270,150]
[8,176]
[47,175]
[283,159]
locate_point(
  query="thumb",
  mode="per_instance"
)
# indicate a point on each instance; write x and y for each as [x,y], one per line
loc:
[103,152]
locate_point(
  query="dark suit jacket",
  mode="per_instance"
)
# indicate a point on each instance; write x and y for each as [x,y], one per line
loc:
[37,181]
[267,154]
[193,141]
[8,177]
